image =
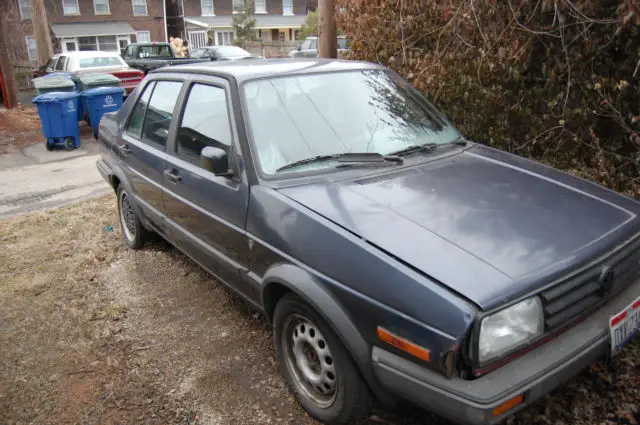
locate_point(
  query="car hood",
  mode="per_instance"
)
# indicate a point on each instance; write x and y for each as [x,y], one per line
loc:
[489,225]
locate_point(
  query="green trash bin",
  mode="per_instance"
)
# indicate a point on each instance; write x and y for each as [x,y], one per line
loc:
[91,81]
[51,84]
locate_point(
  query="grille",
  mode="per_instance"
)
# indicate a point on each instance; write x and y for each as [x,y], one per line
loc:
[575,296]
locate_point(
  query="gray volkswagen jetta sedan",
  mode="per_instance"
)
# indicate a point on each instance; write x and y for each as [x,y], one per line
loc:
[394,258]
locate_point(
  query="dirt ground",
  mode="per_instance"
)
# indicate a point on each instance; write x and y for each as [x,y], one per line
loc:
[20,127]
[94,333]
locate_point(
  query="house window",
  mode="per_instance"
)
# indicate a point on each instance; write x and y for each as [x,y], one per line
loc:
[287,7]
[237,5]
[139,7]
[206,6]
[261,6]
[86,44]
[282,36]
[101,7]
[225,38]
[108,43]
[143,37]
[31,48]
[296,34]
[25,9]
[70,7]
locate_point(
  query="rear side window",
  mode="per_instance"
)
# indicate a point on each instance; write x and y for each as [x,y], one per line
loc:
[157,120]
[134,128]
[205,122]
[61,63]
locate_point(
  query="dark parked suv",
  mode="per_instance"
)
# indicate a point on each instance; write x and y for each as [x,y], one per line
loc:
[394,258]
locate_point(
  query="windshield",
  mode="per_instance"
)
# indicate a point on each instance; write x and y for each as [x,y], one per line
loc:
[299,117]
[160,51]
[199,53]
[230,52]
[100,61]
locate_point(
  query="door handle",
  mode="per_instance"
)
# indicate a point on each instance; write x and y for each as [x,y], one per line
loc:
[173,175]
[124,148]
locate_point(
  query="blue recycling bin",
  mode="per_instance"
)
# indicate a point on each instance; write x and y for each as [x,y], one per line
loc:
[99,101]
[62,74]
[58,113]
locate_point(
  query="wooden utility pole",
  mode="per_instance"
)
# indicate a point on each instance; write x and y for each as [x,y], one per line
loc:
[41,31]
[328,46]
[6,67]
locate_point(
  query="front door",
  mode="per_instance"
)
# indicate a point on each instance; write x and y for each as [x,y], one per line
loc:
[143,142]
[207,213]
[123,42]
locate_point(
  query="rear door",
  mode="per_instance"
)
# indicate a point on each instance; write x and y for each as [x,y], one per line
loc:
[143,143]
[207,213]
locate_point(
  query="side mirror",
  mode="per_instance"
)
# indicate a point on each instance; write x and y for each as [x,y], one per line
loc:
[216,161]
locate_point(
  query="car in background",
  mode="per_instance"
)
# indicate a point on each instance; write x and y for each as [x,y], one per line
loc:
[309,48]
[149,56]
[97,62]
[47,68]
[222,53]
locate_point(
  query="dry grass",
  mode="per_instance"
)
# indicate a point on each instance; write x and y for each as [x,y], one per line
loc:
[95,333]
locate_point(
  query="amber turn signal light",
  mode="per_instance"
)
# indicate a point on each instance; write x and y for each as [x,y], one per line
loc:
[508,405]
[404,345]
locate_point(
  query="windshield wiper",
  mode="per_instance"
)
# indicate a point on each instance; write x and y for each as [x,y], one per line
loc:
[428,147]
[345,157]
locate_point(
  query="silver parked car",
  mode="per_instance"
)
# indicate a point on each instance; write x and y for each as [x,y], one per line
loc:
[309,48]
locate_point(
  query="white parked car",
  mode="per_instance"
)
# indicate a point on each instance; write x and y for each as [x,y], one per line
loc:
[94,62]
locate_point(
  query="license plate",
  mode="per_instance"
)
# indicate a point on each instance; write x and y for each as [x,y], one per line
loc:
[624,326]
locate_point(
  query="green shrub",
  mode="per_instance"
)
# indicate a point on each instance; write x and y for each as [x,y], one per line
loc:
[558,81]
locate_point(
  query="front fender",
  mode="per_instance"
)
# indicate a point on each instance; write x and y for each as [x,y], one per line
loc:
[310,289]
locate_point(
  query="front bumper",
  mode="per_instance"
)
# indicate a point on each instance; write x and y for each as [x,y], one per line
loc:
[533,375]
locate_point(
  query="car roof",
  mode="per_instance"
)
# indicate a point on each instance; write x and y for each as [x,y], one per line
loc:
[91,54]
[248,70]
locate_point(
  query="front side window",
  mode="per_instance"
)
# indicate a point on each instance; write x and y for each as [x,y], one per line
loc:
[134,127]
[157,120]
[25,9]
[140,7]
[206,7]
[70,7]
[61,63]
[287,7]
[101,7]
[205,122]
[299,117]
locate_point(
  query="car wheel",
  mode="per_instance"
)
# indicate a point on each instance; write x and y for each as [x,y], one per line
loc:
[132,230]
[316,366]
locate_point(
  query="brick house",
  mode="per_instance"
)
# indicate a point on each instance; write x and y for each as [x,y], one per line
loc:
[88,24]
[276,20]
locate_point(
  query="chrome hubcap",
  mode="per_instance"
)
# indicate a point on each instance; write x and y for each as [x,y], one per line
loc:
[309,357]
[127,217]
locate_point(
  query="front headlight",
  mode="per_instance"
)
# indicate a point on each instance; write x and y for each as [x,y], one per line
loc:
[510,328]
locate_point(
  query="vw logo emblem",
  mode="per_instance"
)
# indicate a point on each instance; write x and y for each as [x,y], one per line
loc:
[108,100]
[606,279]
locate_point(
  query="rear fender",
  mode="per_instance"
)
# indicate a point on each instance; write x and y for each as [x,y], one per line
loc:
[310,289]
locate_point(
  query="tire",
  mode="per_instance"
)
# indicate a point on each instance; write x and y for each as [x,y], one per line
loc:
[133,232]
[307,348]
